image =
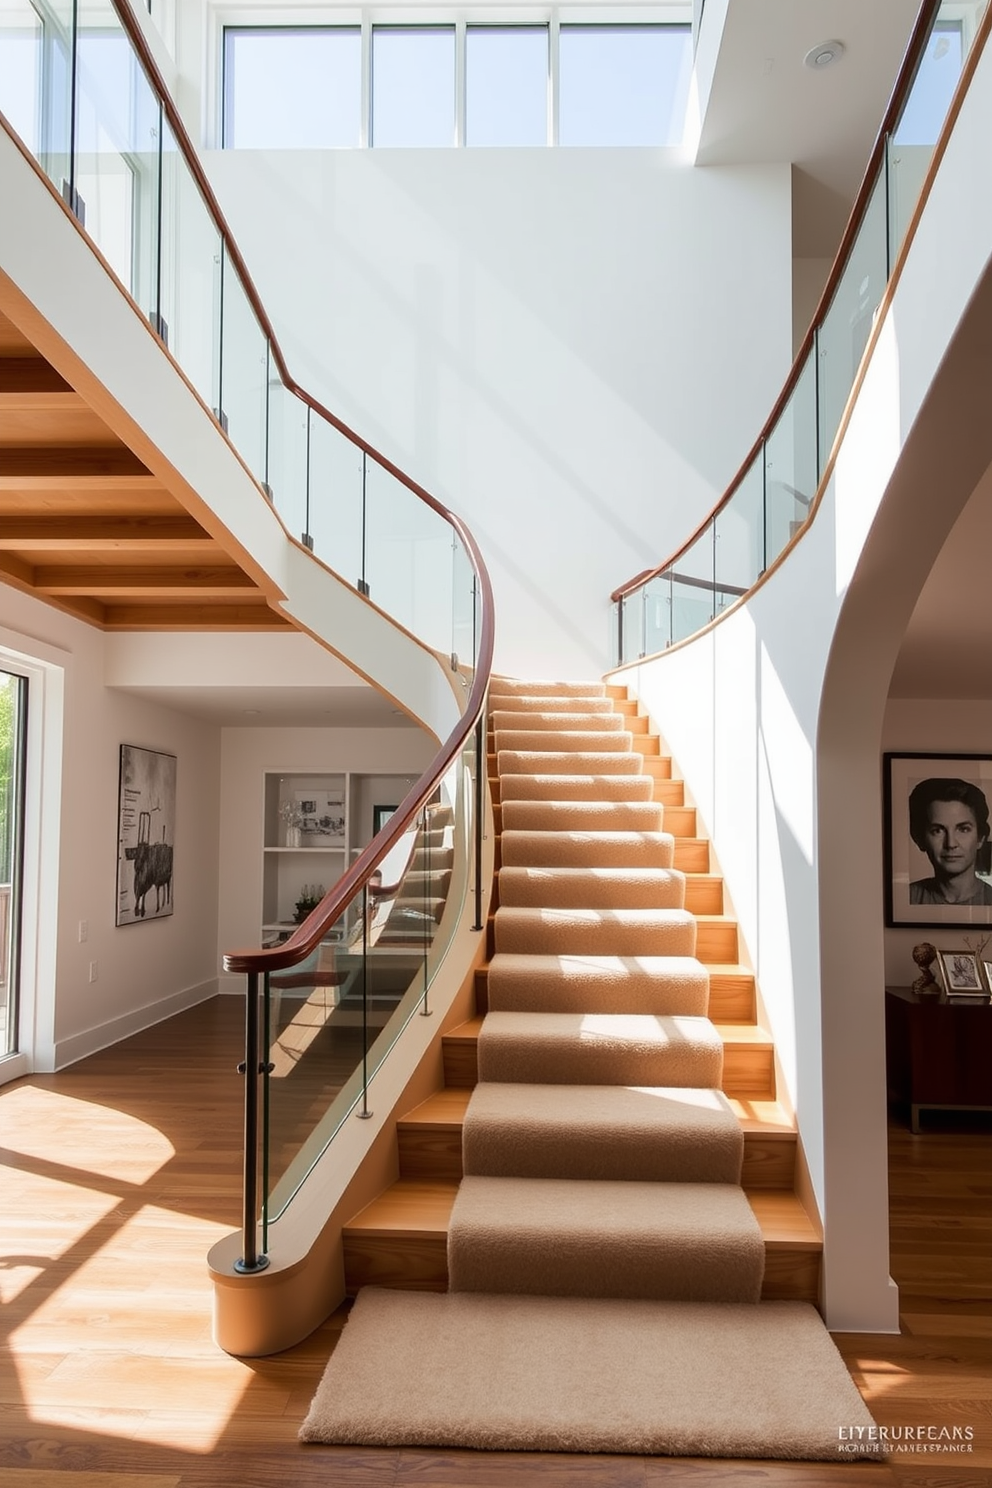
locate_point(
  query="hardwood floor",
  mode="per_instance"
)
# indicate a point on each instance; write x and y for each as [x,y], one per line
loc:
[119,1173]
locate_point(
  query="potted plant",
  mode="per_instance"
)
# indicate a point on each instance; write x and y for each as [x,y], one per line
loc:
[310,897]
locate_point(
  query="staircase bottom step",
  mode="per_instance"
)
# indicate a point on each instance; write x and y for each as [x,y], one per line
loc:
[401,1240]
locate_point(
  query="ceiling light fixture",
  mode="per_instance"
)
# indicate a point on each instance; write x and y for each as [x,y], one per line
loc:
[821,56]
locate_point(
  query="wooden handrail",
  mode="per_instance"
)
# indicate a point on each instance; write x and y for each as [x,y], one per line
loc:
[312,931]
[907,72]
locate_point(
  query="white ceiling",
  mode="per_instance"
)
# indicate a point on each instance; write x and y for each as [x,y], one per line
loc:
[766,106]
[359,706]
[215,677]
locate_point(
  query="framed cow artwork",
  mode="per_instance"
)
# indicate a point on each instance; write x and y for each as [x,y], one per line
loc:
[146,834]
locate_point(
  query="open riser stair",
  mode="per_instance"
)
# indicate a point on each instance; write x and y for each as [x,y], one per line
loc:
[608,1124]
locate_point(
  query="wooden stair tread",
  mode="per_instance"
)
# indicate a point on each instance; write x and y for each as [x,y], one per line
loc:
[445,1111]
[409,1207]
[784,1222]
[465,1033]
[729,970]
[732,1033]
[417,1208]
[769,1118]
[737,1035]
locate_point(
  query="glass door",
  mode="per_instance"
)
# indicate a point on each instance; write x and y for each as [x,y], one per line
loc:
[13,711]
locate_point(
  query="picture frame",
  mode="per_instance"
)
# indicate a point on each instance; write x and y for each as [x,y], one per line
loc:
[380,816]
[146,834]
[321,816]
[961,973]
[937,840]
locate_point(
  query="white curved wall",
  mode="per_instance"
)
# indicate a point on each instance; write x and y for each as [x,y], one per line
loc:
[775,716]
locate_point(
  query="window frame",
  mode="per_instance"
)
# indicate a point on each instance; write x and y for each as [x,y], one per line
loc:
[242,16]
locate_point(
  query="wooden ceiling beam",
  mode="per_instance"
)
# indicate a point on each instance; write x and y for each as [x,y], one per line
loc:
[193,617]
[79,486]
[220,582]
[75,534]
[69,460]
[30,374]
[18,570]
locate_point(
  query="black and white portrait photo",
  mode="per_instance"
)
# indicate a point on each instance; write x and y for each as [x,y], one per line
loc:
[938,842]
[146,832]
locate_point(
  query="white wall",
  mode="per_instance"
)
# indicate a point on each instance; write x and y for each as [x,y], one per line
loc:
[246,754]
[931,726]
[572,348]
[145,971]
[776,715]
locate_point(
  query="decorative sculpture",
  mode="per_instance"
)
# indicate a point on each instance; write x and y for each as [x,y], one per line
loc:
[926,984]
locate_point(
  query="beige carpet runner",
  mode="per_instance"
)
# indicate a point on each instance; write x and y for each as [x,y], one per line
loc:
[600,1157]
[604,1264]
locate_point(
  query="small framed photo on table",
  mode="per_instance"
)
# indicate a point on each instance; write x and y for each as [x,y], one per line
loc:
[961,972]
[938,848]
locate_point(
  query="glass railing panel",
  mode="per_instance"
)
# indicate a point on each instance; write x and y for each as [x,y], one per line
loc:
[790,465]
[190,275]
[693,587]
[910,147]
[657,628]
[333,1020]
[244,371]
[22,70]
[847,325]
[116,164]
[337,476]
[465,617]
[315,1049]
[628,626]
[36,65]
[287,455]
[739,540]
[408,564]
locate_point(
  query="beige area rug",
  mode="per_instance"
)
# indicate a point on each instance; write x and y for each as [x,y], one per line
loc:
[586,1375]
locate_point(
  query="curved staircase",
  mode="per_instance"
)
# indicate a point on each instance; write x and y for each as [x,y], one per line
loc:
[609,1123]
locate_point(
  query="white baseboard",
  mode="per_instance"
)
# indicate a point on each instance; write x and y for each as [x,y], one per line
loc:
[92,1040]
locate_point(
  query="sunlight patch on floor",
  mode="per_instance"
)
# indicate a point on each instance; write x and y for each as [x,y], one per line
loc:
[93,1138]
[86,1342]
[42,1219]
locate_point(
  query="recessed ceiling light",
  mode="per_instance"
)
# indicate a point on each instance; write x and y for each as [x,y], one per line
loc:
[821,56]
[250,712]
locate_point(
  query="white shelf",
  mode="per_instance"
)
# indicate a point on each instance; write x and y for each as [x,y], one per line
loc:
[339,799]
[339,849]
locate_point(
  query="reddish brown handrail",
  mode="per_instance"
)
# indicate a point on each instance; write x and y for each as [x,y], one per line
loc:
[308,936]
[904,81]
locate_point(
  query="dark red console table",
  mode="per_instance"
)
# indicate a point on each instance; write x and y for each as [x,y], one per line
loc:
[938,1054]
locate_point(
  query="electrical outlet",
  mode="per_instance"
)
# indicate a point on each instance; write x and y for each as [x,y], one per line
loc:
[84,931]
[94,971]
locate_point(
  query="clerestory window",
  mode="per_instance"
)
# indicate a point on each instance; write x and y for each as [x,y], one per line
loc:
[437,85]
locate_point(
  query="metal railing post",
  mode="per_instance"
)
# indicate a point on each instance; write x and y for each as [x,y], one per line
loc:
[251,1258]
